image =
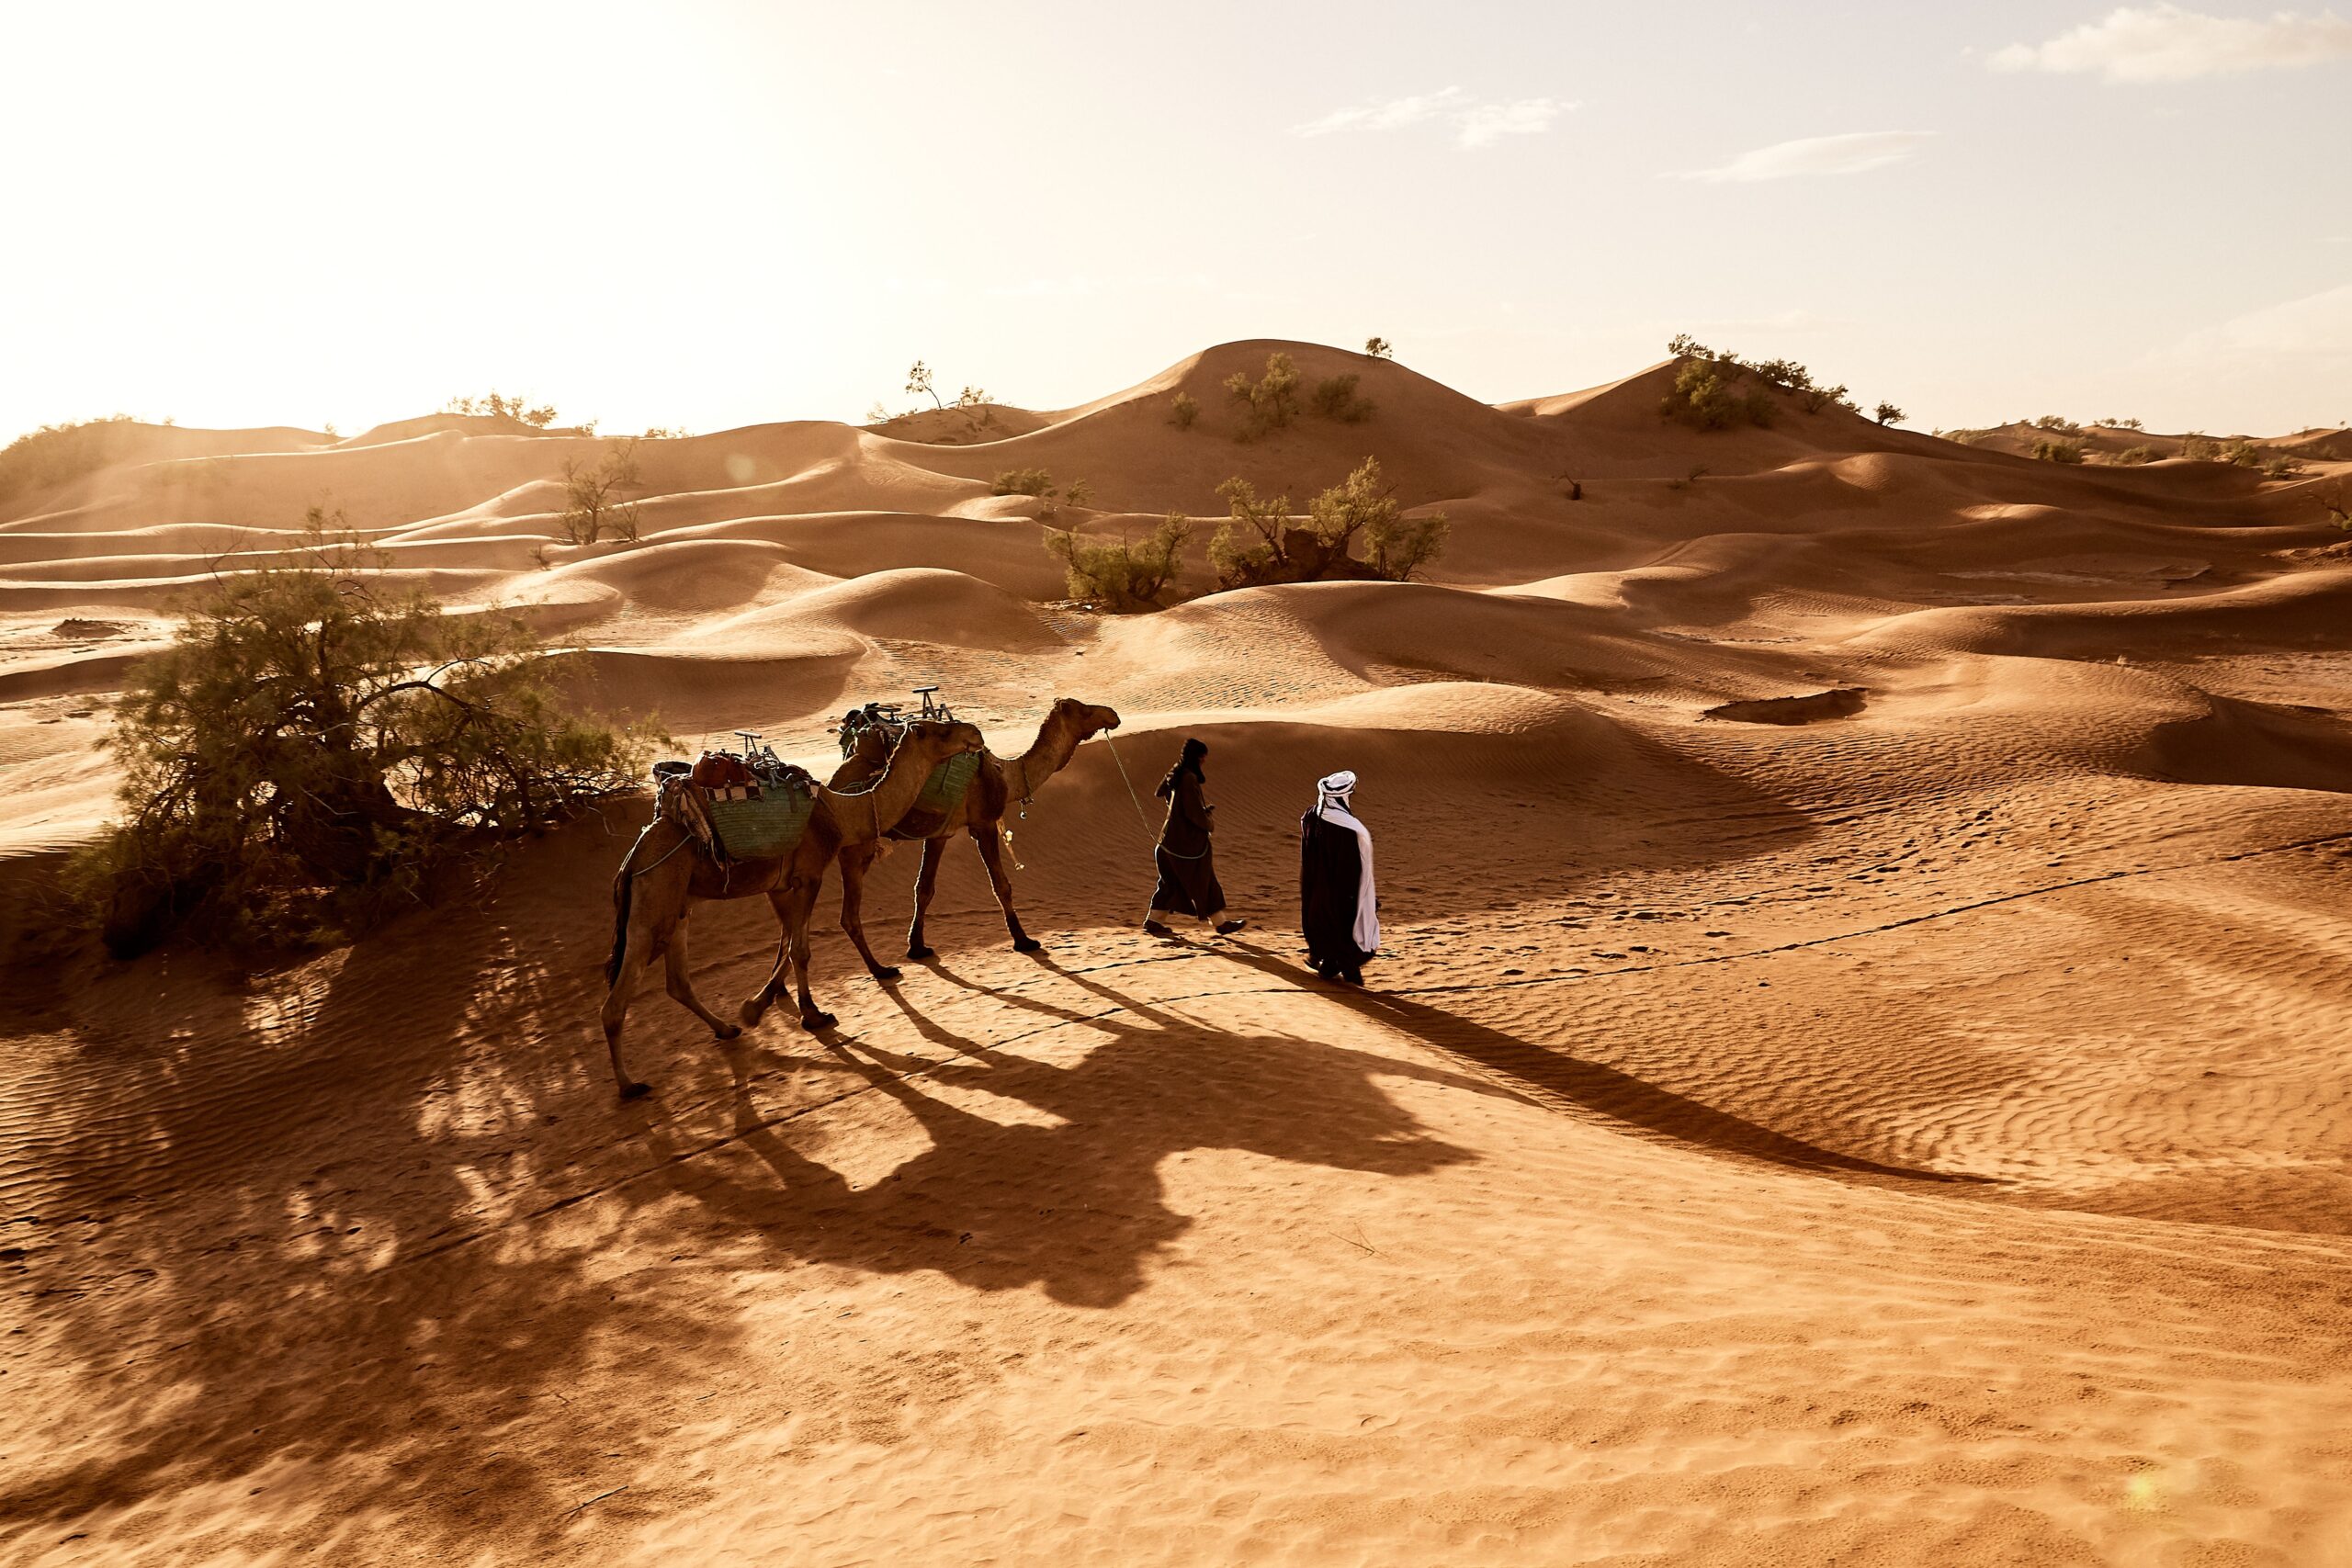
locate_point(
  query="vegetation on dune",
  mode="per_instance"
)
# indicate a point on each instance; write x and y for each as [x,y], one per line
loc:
[2199,447]
[1707,396]
[1887,413]
[497,405]
[319,744]
[2338,509]
[1379,348]
[1122,574]
[2058,451]
[2058,422]
[55,454]
[1270,402]
[2133,457]
[1336,398]
[1039,482]
[1182,409]
[594,510]
[1258,545]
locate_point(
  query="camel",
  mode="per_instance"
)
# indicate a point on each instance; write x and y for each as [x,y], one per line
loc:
[998,782]
[665,874]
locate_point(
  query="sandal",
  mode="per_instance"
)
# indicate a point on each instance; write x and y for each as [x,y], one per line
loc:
[1227,928]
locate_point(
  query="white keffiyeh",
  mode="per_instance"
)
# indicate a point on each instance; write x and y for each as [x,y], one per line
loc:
[1331,805]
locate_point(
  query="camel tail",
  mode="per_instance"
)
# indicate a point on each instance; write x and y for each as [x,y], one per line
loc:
[623,885]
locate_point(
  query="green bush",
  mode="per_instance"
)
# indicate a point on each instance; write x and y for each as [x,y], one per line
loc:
[1706,396]
[2058,451]
[1258,545]
[1269,402]
[1122,575]
[1022,482]
[1335,399]
[1182,409]
[2133,457]
[318,742]
[2199,447]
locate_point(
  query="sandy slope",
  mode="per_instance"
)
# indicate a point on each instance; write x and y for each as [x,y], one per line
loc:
[1915,1133]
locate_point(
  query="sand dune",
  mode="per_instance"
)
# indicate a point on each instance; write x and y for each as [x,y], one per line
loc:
[1854,1076]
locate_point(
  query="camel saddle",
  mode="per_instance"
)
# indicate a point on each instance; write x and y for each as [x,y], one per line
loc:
[761,819]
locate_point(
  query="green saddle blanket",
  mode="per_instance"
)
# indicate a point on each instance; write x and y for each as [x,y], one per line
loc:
[943,791]
[767,828]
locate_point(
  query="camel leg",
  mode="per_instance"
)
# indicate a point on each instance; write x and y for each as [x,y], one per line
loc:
[855,866]
[682,989]
[800,902]
[926,883]
[635,940]
[773,986]
[991,847]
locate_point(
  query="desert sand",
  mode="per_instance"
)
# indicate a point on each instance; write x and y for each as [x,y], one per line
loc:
[1856,1076]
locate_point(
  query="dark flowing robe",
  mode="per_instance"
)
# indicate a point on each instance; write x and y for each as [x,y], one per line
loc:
[1188,883]
[1331,866]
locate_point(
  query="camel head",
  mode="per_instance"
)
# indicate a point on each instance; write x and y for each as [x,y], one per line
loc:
[1084,719]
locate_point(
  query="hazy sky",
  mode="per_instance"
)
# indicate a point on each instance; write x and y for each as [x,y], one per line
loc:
[712,214]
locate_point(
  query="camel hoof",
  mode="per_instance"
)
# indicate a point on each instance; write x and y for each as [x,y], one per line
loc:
[884,975]
[728,1031]
[635,1091]
[1028,944]
[813,1021]
[917,952]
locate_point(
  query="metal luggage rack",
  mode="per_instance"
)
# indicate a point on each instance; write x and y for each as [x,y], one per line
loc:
[893,716]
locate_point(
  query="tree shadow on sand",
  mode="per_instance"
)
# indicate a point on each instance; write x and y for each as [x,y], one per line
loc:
[1567,1082]
[1064,1191]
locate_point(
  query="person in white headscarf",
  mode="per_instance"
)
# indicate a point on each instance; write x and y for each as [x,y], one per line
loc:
[1339,903]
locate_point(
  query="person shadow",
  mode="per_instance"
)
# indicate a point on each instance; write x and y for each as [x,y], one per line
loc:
[1570,1083]
[1044,1169]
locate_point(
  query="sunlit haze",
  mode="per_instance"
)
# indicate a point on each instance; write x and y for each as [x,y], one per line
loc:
[710,214]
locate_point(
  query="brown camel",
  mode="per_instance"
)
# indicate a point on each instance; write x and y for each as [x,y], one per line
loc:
[995,787]
[665,874]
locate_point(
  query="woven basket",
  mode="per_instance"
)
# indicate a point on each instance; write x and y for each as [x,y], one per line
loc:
[767,827]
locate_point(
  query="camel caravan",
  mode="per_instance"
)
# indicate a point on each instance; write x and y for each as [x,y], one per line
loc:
[742,823]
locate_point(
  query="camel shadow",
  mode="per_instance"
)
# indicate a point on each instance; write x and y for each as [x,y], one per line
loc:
[1571,1082]
[1047,1173]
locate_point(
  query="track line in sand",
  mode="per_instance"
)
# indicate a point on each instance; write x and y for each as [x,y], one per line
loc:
[1520,1090]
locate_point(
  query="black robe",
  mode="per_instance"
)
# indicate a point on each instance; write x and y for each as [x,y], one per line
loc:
[1330,863]
[1188,883]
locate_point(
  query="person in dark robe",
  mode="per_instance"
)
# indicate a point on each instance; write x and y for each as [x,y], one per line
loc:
[1188,883]
[1339,903]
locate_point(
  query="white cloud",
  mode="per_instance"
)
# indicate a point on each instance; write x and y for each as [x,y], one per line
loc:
[1484,124]
[1477,123]
[1850,154]
[2166,43]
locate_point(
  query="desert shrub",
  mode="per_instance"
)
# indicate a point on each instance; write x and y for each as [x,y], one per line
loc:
[2133,457]
[2280,466]
[1336,398]
[318,743]
[1706,396]
[1182,409]
[1887,413]
[2058,451]
[2199,447]
[666,432]
[1122,575]
[1379,348]
[918,380]
[1815,399]
[594,510]
[1258,545]
[1269,402]
[496,405]
[2121,424]
[55,454]
[2058,422]
[1079,492]
[1022,482]
[2338,509]
[1250,546]
[1781,373]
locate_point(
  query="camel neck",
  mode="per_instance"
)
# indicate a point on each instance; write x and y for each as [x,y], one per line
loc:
[1057,742]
